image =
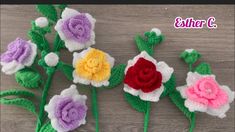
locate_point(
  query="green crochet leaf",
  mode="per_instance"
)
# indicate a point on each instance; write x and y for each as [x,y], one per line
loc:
[28,78]
[67,70]
[38,39]
[179,102]
[20,102]
[143,45]
[169,86]
[136,102]
[48,11]
[47,128]
[58,43]
[13,92]
[117,75]
[203,68]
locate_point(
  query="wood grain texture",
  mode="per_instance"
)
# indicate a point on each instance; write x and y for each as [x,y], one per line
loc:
[115,28]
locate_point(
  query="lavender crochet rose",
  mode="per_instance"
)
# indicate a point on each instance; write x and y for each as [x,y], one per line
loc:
[20,53]
[67,111]
[76,29]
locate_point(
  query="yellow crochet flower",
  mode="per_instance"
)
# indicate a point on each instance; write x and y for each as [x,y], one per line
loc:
[92,66]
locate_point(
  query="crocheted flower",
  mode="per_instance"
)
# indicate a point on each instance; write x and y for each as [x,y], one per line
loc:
[204,94]
[20,53]
[76,29]
[144,77]
[93,67]
[67,111]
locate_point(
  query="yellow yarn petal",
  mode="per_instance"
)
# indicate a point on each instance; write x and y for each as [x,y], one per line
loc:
[103,74]
[94,66]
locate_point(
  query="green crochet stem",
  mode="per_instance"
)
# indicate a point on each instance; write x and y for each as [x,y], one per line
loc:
[95,108]
[190,67]
[192,123]
[43,100]
[146,116]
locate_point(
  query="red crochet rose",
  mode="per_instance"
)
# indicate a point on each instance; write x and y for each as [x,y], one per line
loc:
[143,75]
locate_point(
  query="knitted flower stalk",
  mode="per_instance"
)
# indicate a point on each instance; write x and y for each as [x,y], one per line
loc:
[202,92]
[92,66]
[146,80]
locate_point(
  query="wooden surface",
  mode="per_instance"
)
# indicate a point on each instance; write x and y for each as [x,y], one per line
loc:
[115,28]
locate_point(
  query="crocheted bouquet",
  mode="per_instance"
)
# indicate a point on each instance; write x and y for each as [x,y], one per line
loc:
[145,79]
[91,67]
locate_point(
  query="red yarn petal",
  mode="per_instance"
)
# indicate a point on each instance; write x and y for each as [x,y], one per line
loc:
[153,84]
[143,63]
[143,75]
[131,73]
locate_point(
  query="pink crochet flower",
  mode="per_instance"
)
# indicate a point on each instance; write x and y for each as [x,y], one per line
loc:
[203,93]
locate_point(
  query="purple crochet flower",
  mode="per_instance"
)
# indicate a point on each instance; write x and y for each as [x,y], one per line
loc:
[67,111]
[20,53]
[76,29]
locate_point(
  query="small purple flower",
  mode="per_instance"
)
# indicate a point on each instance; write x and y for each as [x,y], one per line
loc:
[20,53]
[67,111]
[76,29]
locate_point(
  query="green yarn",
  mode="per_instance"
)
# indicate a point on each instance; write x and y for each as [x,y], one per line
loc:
[58,43]
[66,69]
[153,39]
[28,78]
[143,45]
[20,102]
[141,106]
[47,128]
[48,11]
[203,68]
[169,86]
[136,102]
[50,73]
[147,44]
[179,102]
[95,111]
[13,92]
[117,76]
[39,40]
[146,116]
[190,58]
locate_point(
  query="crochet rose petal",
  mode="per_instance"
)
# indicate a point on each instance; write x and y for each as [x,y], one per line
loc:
[195,106]
[165,70]
[11,67]
[152,96]
[229,92]
[192,77]
[182,90]
[220,112]
[93,67]
[68,13]
[30,59]
[130,90]
[144,55]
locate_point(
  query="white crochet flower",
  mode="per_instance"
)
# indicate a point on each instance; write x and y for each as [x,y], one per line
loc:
[204,94]
[76,29]
[19,54]
[68,110]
